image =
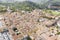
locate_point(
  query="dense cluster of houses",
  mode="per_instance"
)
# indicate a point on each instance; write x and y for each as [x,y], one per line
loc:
[36,25]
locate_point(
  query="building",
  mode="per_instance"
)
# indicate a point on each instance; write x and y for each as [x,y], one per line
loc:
[54,6]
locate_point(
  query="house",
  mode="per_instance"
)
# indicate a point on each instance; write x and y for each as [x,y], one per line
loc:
[54,6]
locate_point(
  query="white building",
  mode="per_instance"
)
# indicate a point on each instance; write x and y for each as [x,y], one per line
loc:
[5,36]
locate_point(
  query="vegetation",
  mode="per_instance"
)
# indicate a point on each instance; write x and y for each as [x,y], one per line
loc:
[51,12]
[2,9]
[26,5]
[58,33]
[29,6]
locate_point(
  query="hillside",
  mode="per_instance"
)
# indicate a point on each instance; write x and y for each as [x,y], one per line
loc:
[27,6]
